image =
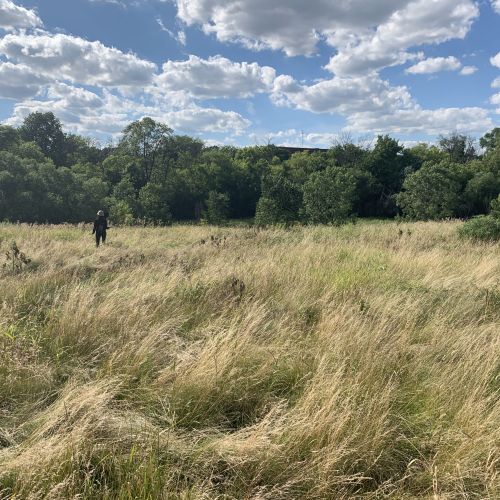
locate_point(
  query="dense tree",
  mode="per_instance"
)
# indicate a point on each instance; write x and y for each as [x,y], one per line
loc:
[491,140]
[144,141]
[156,176]
[45,130]
[433,192]
[329,195]
[217,211]
[459,148]
[280,201]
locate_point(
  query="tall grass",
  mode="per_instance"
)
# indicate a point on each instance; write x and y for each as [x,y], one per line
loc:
[196,362]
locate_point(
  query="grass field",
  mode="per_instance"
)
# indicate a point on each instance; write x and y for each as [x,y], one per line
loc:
[199,362]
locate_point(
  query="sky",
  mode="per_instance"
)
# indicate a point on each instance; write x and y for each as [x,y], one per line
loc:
[245,72]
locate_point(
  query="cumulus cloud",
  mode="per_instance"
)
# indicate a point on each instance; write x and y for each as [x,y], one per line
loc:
[74,59]
[371,104]
[495,60]
[496,5]
[87,112]
[216,77]
[341,95]
[13,16]
[367,35]
[495,84]
[468,70]
[416,23]
[283,24]
[19,81]
[296,138]
[417,120]
[435,65]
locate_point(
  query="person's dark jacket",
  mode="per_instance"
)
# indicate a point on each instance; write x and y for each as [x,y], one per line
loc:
[100,225]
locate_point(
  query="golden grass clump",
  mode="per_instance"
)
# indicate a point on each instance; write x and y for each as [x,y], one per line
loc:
[196,362]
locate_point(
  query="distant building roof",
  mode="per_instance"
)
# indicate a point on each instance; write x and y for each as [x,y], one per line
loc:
[293,150]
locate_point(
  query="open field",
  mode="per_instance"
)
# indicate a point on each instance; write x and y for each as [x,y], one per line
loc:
[201,362]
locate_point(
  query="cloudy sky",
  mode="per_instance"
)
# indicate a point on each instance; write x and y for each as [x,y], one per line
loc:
[253,71]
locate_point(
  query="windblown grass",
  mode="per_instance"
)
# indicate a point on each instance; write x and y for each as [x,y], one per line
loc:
[195,362]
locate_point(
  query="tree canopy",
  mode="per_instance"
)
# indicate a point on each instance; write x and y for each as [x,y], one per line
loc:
[155,176]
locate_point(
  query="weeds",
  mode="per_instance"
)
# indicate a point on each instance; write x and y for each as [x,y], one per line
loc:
[16,260]
[315,363]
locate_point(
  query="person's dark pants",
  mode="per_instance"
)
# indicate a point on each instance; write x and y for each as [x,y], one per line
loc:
[100,237]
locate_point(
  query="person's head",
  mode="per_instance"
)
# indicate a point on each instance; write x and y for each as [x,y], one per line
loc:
[100,213]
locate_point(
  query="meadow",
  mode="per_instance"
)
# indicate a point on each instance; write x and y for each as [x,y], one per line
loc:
[191,362]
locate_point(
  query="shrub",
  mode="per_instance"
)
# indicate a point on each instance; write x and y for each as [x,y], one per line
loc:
[482,228]
[217,211]
[153,199]
[433,192]
[329,196]
[280,201]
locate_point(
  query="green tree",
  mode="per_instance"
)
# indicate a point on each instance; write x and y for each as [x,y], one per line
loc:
[433,192]
[153,200]
[9,136]
[280,201]
[491,140]
[45,130]
[329,195]
[217,211]
[459,148]
[144,141]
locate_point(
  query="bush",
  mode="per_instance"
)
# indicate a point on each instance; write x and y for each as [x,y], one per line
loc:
[217,211]
[280,201]
[329,196]
[153,199]
[481,228]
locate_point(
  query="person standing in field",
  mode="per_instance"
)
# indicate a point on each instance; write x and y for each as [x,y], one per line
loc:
[100,227]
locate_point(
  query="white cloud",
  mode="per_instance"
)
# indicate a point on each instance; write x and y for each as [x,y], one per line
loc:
[19,81]
[417,120]
[77,60]
[368,35]
[371,104]
[86,112]
[435,65]
[496,5]
[215,77]
[495,84]
[468,70]
[416,23]
[287,25]
[180,36]
[495,60]
[13,16]
[296,138]
[495,99]
[342,95]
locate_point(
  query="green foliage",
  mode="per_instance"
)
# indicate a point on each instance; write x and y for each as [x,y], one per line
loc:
[217,211]
[459,148]
[329,196]
[491,140]
[280,201]
[45,130]
[153,200]
[433,192]
[144,141]
[481,228]
[47,175]
[120,212]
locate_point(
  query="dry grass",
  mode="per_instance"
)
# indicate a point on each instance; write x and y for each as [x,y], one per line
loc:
[353,362]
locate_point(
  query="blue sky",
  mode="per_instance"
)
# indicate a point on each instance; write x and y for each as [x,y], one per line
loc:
[252,71]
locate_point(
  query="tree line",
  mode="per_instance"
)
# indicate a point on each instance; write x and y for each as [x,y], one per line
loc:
[155,176]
